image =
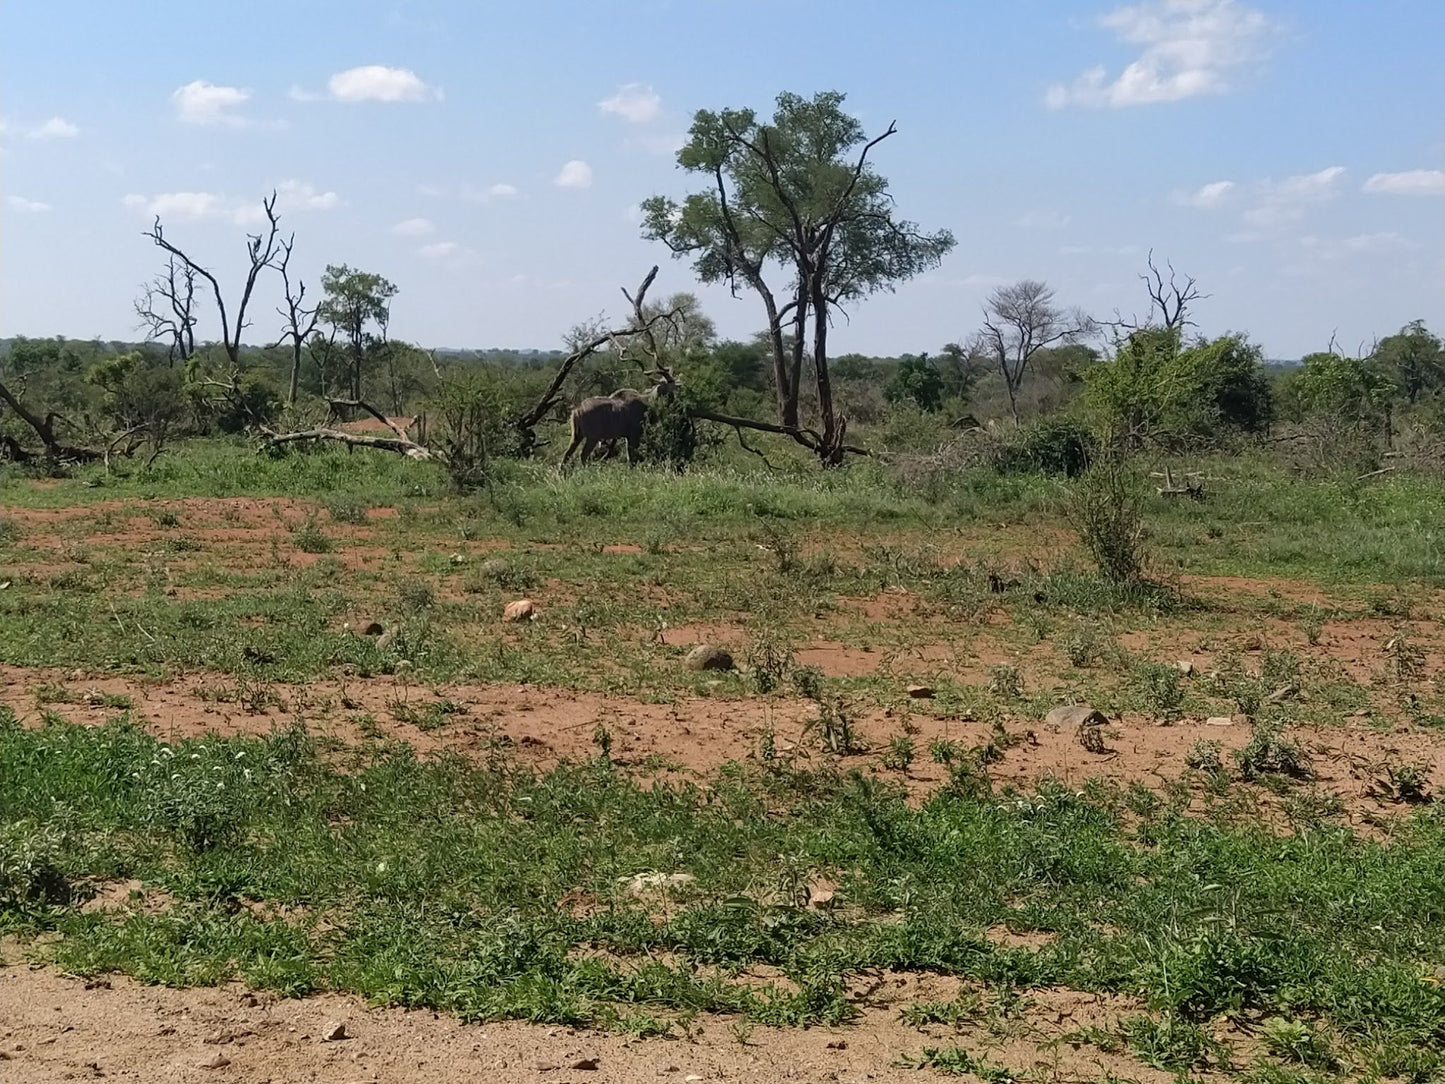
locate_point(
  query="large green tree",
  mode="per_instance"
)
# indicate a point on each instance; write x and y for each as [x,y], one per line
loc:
[357,306]
[793,196]
[1415,360]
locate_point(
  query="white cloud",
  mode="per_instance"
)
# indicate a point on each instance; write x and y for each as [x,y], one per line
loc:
[575,174]
[27,206]
[634,103]
[413,227]
[54,128]
[200,102]
[182,206]
[1189,48]
[502,191]
[1412,182]
[1044,220]
[438,249]
[378,83]
[300,196]
[1210,195]
[291,197]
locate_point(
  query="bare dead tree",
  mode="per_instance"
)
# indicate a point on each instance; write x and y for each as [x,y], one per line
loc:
[1019,321]
[166,308]
[300,320]
[261,248]
[1172,299]
[1170,302]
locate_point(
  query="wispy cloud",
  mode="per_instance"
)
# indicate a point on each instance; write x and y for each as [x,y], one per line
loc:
[1209,195]
[574,174]
[1284,202]
[634,103]
[413,227]
[1411,182]
[439,249]
[373,83]
[200,102]
[1044,220]
[54,128]
[26,206]
[1188,48]
[488,194]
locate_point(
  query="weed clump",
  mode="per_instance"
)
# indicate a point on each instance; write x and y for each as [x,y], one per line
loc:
[1269,753]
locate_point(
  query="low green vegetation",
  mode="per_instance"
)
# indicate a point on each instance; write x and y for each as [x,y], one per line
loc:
[579,896]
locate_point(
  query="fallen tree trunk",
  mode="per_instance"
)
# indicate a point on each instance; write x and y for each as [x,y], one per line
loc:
[400,445]
[45,430]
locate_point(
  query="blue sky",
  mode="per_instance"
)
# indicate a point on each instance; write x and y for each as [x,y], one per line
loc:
[488,157]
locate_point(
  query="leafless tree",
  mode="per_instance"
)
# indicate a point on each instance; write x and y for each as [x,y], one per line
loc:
[262,249]
[166,308]
[1019,321]
[1169,303]
[300,320]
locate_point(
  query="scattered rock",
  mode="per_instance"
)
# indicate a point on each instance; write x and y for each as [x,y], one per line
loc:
[692,1077]
[709,657]
[545,1066]
[333,1032]
[523,609]
[373,628]
[821,895]
[585,1065]
[1219,720]
[658,882]
[1185,667]
[1078,715]
[215,1061]
[921,692]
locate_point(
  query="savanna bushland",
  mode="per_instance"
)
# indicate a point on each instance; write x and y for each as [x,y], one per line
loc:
[776,742]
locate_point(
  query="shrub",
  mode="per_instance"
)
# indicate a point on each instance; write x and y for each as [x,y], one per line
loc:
[1056,446]
[1107,510]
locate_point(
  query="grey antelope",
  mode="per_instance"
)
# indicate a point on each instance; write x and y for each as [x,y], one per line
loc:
[621,415]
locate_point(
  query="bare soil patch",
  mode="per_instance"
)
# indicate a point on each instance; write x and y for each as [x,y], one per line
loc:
[54,1028]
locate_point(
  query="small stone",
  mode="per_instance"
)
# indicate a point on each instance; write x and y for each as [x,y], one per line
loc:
[692,1077]
[658,882]
[215,1061]
[219,1038]
[709,657]
[1185,667]
[921,692]
[585,1065]
[545,1066]
[1078,715]
[523,609]
[1219,720]
[334,1032]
